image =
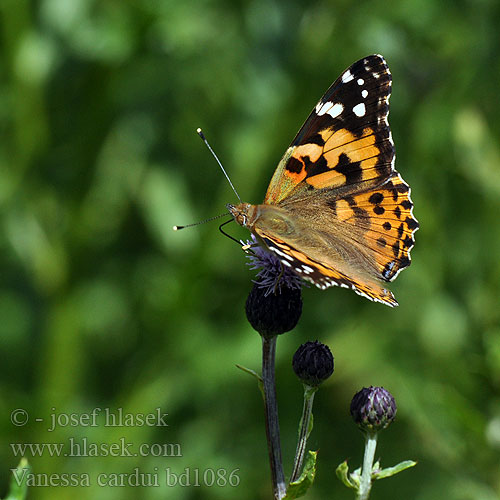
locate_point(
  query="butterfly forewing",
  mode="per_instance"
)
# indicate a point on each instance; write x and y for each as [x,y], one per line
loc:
[346,141]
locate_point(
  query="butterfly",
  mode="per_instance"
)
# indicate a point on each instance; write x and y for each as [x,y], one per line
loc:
[336,211]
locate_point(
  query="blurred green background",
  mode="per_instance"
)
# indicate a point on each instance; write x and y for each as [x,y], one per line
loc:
[102,305]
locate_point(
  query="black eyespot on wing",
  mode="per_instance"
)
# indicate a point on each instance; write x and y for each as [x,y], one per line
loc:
[376,198]
[294,166]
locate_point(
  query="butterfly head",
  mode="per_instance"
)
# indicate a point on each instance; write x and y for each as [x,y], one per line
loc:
[243,213]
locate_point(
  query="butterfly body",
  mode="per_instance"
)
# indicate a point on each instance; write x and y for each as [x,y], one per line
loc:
[336,211]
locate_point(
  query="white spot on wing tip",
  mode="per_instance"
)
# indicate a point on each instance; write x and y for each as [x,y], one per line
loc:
[359,109]
[329,108]
[364,93]
[347,77]
[336,110]
[320,108]
[323,107]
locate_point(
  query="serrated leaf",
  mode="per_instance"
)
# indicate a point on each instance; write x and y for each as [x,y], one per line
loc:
[342,472]
[391,471]
[299,488]
[18,489]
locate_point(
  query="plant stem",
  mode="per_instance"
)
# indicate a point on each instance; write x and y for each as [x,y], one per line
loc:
[304,431]
[366,475]
[272,423]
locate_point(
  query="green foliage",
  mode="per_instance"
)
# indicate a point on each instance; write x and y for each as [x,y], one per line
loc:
[391,471]
[253,373]
[300,487]
[352,479]
[18,489]
[102,305]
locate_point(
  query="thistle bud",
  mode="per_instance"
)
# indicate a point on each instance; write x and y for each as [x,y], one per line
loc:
[313,363]
[373,408]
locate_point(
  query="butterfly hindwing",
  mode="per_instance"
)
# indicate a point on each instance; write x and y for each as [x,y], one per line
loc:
[384,219]
[324,276]
[346,141]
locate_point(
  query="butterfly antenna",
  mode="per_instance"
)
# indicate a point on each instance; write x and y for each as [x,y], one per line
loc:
[203,138]
[178,228]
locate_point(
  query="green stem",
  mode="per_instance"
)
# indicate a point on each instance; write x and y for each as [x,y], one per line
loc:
[366,475]
[304,431]
[272,423]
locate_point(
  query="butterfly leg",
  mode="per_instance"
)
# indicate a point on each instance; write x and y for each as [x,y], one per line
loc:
[248,248]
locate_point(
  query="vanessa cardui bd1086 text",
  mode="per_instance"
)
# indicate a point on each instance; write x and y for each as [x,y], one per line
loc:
[336,211]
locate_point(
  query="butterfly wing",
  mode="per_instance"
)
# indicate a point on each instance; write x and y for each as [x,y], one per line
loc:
[382,220]
[324,275]
[359,241]
[346,142]
[337,180]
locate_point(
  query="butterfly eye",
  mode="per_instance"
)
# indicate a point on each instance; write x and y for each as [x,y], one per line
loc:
[239,216]
[243,214]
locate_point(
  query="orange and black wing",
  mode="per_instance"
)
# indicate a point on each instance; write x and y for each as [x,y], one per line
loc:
[339,176]
[346,143]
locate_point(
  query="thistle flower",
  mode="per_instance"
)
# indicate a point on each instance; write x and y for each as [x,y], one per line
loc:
[274,304]
[313,363]
[275,313]
[272,275]
[373,408]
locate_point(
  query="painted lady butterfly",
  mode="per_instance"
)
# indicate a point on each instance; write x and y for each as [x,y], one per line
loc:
[336,211]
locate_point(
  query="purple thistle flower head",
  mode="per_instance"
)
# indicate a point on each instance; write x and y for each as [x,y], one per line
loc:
[373,408]
[274,304]
[272,275]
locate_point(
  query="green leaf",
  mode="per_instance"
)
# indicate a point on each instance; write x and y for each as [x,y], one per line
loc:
[299,488]
[391,471]
[349,480]
[254,374]
[18,489]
